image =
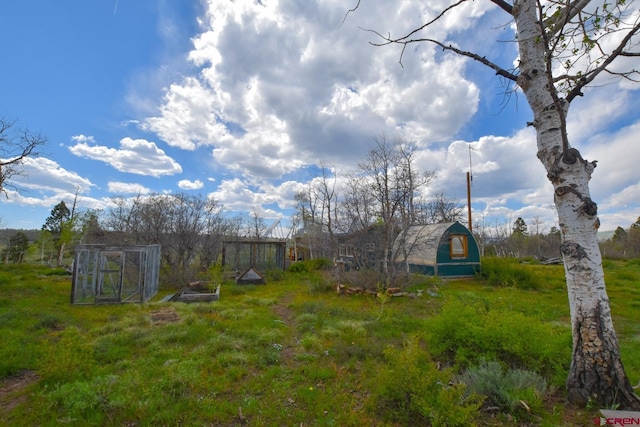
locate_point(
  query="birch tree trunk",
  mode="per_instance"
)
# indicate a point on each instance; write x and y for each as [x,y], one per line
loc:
[596,374]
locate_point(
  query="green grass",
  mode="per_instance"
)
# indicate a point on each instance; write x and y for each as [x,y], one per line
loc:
[291,353]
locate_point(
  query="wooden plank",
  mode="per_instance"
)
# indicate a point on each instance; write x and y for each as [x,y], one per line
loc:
[167,298]
[190,296]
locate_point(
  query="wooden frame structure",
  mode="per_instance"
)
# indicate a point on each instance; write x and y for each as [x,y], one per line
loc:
[104,274]
[259,254]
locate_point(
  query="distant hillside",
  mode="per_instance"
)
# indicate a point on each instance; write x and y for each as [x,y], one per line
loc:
[8,233]
[605,235]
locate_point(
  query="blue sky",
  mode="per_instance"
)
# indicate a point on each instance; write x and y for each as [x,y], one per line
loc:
[244,100]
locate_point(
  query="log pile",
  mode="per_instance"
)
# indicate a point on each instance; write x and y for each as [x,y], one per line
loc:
[392,292]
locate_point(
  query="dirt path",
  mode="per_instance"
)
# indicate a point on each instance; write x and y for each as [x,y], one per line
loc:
[12,391]
[288,317]
[164,315]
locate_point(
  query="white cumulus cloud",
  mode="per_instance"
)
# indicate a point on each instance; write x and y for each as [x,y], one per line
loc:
[137,156]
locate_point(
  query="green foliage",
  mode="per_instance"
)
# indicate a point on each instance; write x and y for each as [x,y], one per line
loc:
[92,401]
[520,228]
[55,222]
[322,264]
[274,275]
[285,355]
[308,266]
[70,357]
[466,332]
[27,315]
[111,348]
[318,284]
[410,390]
[507,272]
[508,389]
[56,272]
[50,321]
[18,245]
[299,267]
[216,273]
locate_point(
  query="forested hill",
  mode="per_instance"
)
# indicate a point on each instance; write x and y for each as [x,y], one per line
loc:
[7,233]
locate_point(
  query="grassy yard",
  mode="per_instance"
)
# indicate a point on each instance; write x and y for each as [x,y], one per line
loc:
[489,351]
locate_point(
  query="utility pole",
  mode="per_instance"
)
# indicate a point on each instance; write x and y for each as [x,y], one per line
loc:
[469,200]
[469,181]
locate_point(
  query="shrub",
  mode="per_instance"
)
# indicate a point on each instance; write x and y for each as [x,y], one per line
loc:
[410,390]
[508,389]
[507,272]
[300,267]
[275,275]
[466,332]
[366,279]
[322,264]
[90,400]
[319,284]
[311,265]
[57,272]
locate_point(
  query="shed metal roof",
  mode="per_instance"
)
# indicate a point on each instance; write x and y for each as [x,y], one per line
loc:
[421,242]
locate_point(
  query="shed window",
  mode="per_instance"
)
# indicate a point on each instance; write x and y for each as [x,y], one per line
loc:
[345,250]
[458,247]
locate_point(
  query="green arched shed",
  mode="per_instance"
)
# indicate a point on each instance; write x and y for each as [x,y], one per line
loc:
[444,250]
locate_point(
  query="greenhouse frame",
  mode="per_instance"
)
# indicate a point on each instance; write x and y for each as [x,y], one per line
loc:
[106,274]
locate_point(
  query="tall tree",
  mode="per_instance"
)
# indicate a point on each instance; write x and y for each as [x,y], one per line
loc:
[18,245]
[517,241]
[358,207]
[58,224]
[317,210]
[256,225]
[633,239]
[16,145]
[90,229]
[308,212]
[393,184]
[520,228]
[619,235]
[563,47]
[181,223]
[439,209]
[326,190]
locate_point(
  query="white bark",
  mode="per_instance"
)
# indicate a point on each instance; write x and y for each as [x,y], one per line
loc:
[596,372]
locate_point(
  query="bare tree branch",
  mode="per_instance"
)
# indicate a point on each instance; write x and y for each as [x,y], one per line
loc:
[16,144]
[406,39]
[504,6]
[349,11]
[618,51]
[437,18]
[482,59]
[557,21]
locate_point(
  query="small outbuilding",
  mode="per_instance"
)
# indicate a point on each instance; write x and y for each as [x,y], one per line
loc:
[251,258]
[444,250]
[115,274]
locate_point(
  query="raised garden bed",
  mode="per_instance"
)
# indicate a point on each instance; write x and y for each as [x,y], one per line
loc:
[197,292]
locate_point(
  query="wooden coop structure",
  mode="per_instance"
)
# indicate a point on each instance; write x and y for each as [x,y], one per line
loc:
[105,274]
[251,257]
